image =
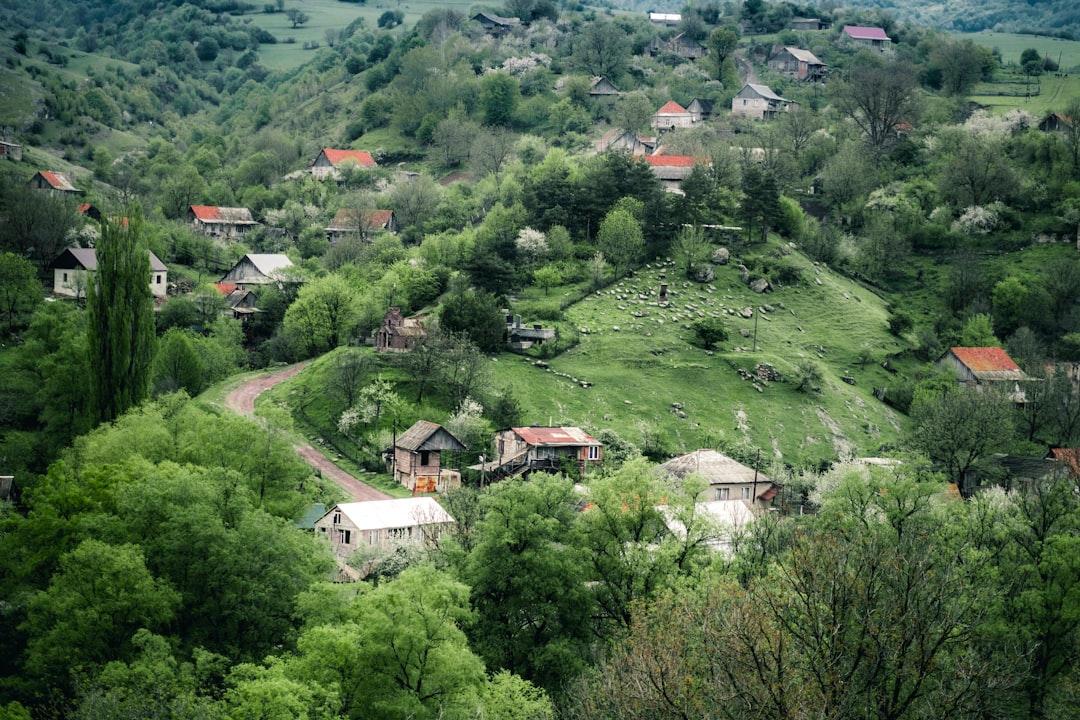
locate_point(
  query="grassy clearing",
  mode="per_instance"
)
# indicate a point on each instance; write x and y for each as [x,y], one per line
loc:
[1065,52]
[1054,94]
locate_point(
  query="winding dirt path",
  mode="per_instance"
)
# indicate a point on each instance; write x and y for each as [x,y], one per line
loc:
[242,401]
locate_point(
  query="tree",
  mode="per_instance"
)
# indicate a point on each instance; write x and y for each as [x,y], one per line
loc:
[177,366]
[958,428]
[709,332]
[721,44]
[632,112]
[37,224]
[20,291]
[602,49]
[691,249]
[101,595]
[414,201]
[323,316]
[390,19]
[979,172]
[499,97]
[620,239]
[120,318]
[454,137]
[297,17]
[528,581]
[761,200]
[492,149]
[876,96]
[547,277]
[474,313]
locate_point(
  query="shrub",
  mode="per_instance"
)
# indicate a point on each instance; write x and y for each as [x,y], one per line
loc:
[709,331]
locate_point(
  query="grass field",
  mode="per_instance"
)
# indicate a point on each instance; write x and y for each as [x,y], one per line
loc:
[1066,53]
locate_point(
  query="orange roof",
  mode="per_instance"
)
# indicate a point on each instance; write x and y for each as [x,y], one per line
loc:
[225,288]
[361,157]
[673,160]
[982,359]
[206,212]
[380,218]
[548,436]
[58,181]
[670,108]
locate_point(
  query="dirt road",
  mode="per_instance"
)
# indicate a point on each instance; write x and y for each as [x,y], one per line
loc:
[242,401]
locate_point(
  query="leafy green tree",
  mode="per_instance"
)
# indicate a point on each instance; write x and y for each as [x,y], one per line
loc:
[177,365]
[547,277]
[323,316]
[620,239]
[691,249]
[876,96]
[602,49]
[266,692]
[528,582]
[761,200]
[632,112]
[958,429]
[20,291]
[37,224]
[120,318]
[978,331]
[499,98]
[297,17]
[721,44]
[474,313]
[709,332]
[101,595]
[509,697]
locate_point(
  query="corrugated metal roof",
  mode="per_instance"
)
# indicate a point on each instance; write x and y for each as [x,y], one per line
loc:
[861,32]
[87,258]
[424,435]
[396,513]
[804,55]
[556,436]
[983,359]
[215,214]
[765,91]
[268,263]
[58,181]
[673,160]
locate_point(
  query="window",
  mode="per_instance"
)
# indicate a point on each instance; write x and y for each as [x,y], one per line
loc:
[594,452]
[345,536]
[744,102]
[424,457]
[65,277]
[721,493]
[337,518]
[398,533]
[746,493]
[157,279]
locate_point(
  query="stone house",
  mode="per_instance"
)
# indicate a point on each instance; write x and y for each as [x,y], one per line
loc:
[727,479]
[417,458]
[701,109]
[681,45]
[398,333]
[71,271]
[672,115]
[10,151]
[759,102]
[350,526]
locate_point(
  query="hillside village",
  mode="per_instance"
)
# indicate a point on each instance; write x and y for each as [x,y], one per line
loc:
[536,361]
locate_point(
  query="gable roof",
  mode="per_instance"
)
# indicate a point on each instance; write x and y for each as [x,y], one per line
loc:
[396,513]
[361,157]
[268,263]
[493,19]
[988,363]
[226,215]
[716,468]
[860,32]
[58,181]
[86,259]
[704,105]
[764,91]
[674,160]
[347,219]
[556,436]
[424,435]
[671,108]
[803,55]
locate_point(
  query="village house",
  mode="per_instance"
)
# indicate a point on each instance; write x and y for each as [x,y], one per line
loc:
[55,181]
[239,302]
[351,526]
[681,45]
[256,269]
[626,141]
[701,109]
[759,102]
[495,24]
[521,450]
[348,221]
[10,151]
[726,518]
[665,19]
[868,37]
[225,222]
[672,115]
[727,479]
[398,333]
[602,87]
[982,366]
[334,163]
[418,462]
[73,268]
[1055,122]
[523,337]
[808,24]
[797,63]
[671,170]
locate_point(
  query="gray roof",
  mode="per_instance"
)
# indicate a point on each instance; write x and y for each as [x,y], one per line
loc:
[267,263]
[424,435]
[764,91]
[716,468]
[803,55]
[87,259]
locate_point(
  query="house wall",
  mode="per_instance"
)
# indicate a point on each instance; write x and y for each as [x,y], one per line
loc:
[411,471]
[63,279]
[245,272]
[665,121]
[321,167]
[736,491]
[337,533]
[754,107]
[965,376]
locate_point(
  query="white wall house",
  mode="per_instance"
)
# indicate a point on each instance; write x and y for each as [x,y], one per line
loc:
[72,273]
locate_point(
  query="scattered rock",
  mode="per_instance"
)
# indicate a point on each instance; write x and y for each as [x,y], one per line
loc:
[744,332]
[747,312]
[760,285]
[848,380]
[721,256]
[705,274]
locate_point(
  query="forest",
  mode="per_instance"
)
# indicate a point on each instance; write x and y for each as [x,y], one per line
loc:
[921,198]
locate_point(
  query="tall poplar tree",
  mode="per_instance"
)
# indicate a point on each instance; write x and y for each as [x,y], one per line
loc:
[120,318]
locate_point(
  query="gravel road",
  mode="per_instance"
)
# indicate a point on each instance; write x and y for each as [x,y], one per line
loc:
[242,401]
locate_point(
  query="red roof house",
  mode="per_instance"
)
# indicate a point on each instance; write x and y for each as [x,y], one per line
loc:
[871,37]
[221,221]
[670,169]
[48,180]
[672,115]
[522,450]
[981,365]
[330,162]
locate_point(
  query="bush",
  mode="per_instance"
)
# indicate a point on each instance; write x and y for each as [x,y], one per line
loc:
[708,332]
[900,322]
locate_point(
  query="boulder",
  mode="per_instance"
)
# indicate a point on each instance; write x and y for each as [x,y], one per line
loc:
[721,256]
[704,274]
[760,285]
